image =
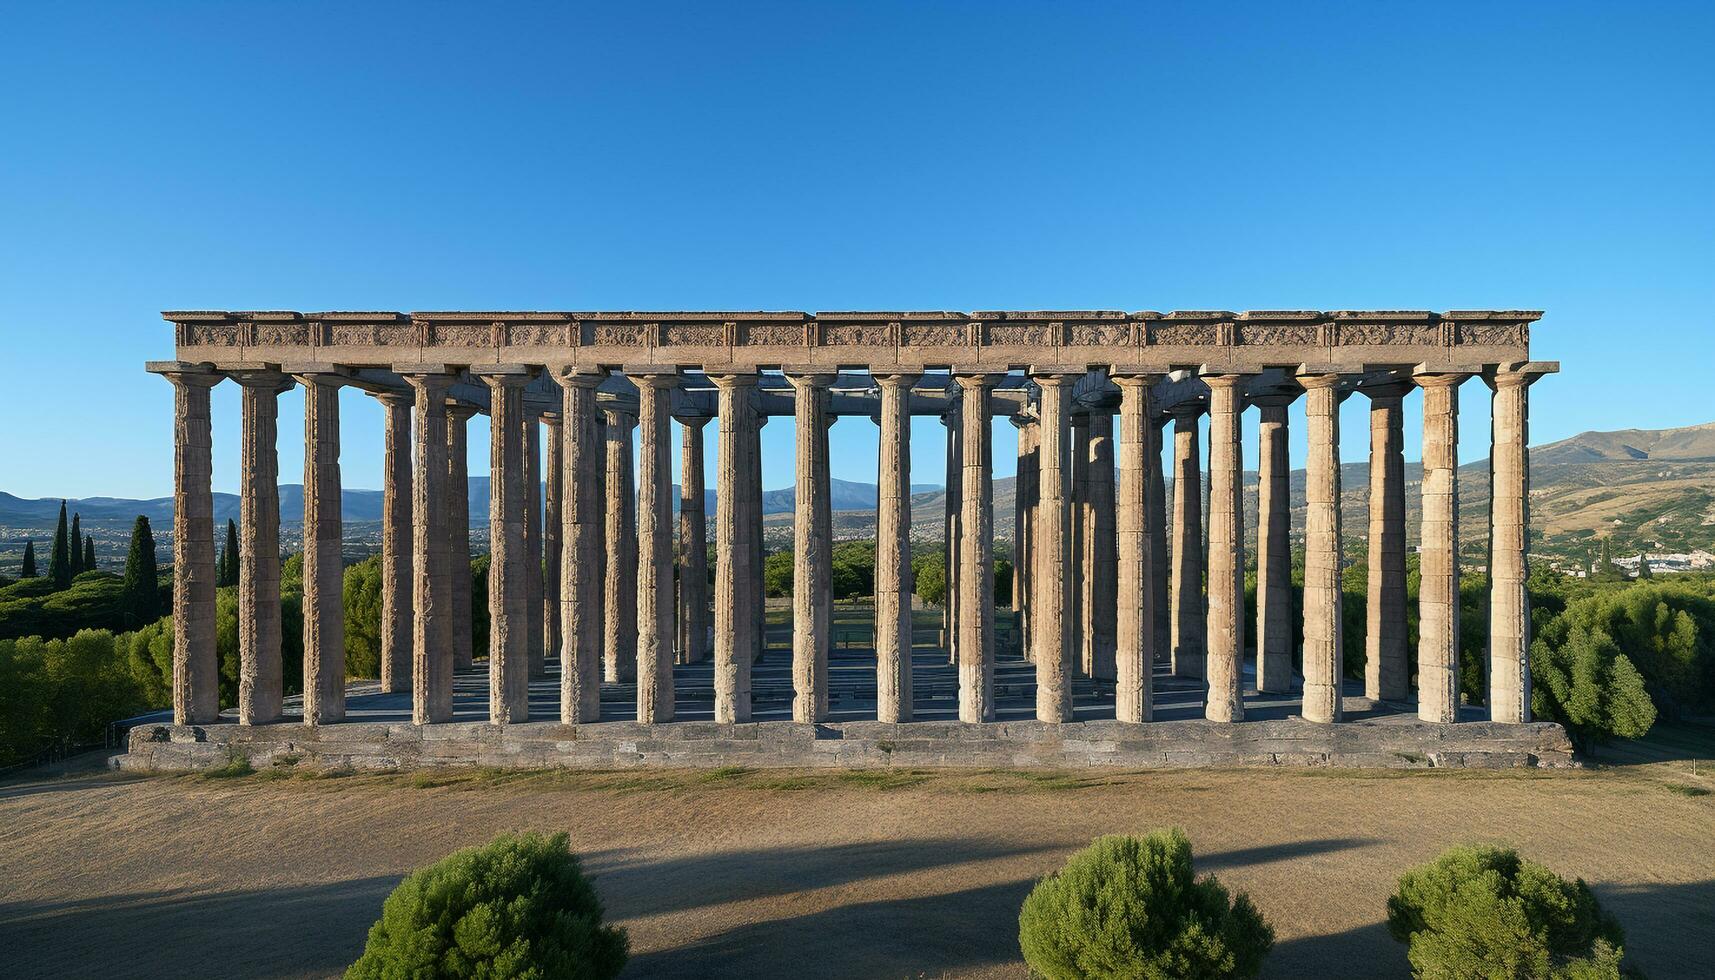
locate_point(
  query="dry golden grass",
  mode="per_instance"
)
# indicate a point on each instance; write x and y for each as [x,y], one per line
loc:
[760,873]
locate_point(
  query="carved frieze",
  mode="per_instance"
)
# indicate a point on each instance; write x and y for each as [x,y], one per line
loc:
[1184,334]
[857,335]
[1098,334]
[211,334]
[1491,333]
[934,334]
[1282,334]
[463,335]
[693,335]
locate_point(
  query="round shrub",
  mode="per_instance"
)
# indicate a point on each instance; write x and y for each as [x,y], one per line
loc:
[1486,912]
[1130,907]
[517,907]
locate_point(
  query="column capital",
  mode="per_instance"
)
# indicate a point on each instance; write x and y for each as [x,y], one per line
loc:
[1054,374]
[392,397]
[1440,379]
[186,373]
[693,421]
[575,376]
[1311,378]
[429,384]
[1214,380]
[651,376]
[331,375]
[504,375]
[809,377]
[1388,390]
[1136,377]
[273,381]
[461,411]
[1520,373]
[895,379]
[549,418]
[725,380]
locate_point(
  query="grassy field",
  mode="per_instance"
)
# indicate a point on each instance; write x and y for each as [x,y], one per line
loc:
[792,874]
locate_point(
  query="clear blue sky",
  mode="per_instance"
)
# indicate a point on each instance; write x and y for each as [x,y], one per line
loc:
[815,156]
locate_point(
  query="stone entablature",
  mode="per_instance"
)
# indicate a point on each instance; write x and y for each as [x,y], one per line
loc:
[997,341]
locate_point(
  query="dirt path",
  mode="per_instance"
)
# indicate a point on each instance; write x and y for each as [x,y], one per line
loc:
[793,875]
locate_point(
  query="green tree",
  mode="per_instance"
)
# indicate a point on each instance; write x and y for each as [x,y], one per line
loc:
[362,595]
[1002,583]
[1131,907]
[1486,912]
[77,546]
[1584,682]
[1643,565]
[227,571]
[29,569]
[141,602]
[89,554]
[777,574]
[519,907]
[59,563]
[929,577]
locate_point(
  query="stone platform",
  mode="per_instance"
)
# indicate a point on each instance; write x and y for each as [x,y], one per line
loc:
[377,734]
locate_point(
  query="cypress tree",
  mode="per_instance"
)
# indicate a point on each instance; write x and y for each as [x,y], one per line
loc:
[59,563]
[228,571]
[29,560]
[1643,565]
[89,553]
[77,545]
[140,595]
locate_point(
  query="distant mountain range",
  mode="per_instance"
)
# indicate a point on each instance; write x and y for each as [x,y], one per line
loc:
[1643,488]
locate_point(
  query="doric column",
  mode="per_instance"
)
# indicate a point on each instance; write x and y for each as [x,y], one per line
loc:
[1134,660]
[1387,669]
[432,579]
[1438,554]
[1186,588]
[753,494]
[553,472]
[584,547]
[457,496]
[655,598]
[196,664]
[693,544]
[1100,561]
[1323,616]
[1225,634]
[260,681]
[508,555]
[1509,502]
[1053,597]
[324,565]
[1077,617]
[396,543]
[953,419]
[1024,503]
[1158,569]
[735,545]
[1274,548]
[976,574]
[619,648]
[893,552]
[535,593]
[812,602]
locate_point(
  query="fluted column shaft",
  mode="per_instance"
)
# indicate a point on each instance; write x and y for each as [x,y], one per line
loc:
[1158,529]
[457,495]
[535,593]
[1077,570]
[260,681]
[432,579]
[976,575]
[812,602]
[584,549]
[508,590]
[693,545]
[893,552]
[1100,560]
[396,544]
[553,479]
[1509,600]
[655,596]
[1225,634]
[324,566]
[1387,668]
[619,648]
[953,419]
[1323,616]
[1134,657]
[196,664]
[735,544]
[1186,588]
[1049,608]
[753,506]
[1438,555]
[1274,549]
[1024,533]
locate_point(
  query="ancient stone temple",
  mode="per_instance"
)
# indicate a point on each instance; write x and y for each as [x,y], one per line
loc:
[1117,591]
